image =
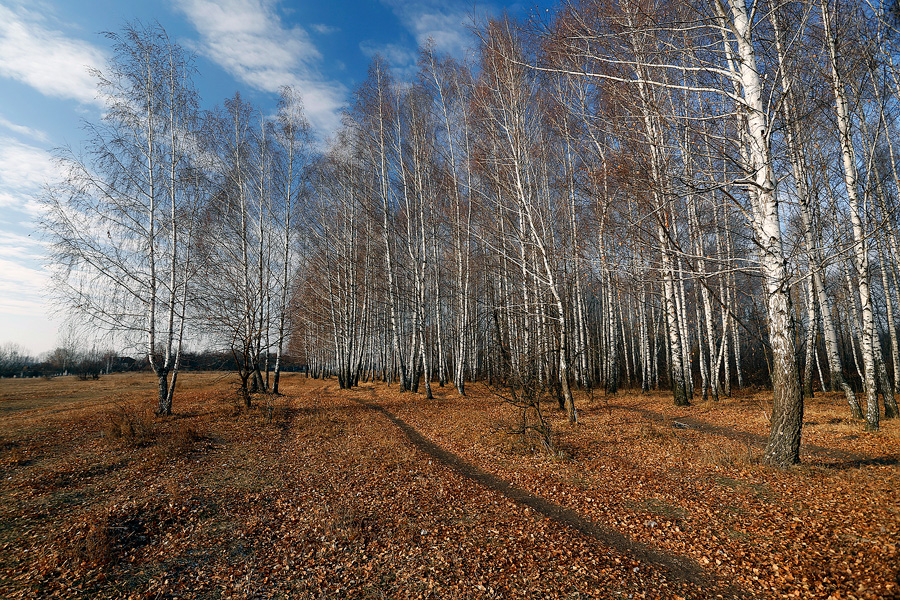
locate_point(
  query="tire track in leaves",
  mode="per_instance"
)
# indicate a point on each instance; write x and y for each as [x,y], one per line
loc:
[678,567]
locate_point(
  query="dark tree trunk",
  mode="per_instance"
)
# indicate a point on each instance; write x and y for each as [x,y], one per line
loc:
[165,401]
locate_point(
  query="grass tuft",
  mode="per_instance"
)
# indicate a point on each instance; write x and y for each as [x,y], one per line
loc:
[128,424]
[180,442]
[730,454]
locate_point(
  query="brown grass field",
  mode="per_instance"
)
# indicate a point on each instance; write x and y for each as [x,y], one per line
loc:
[371,493]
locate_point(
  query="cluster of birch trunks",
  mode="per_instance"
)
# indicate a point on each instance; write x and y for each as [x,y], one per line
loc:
[640,193]
[690,194]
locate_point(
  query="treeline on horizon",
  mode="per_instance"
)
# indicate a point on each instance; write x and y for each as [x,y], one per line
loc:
[691,195]
[15,362]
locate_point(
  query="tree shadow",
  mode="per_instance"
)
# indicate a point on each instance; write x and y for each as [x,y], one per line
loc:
[829,458]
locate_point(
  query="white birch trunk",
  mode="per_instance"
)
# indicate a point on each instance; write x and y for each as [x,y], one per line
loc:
[783,447]
[861,258]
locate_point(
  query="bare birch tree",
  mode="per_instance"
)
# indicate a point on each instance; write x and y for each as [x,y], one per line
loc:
[120,224]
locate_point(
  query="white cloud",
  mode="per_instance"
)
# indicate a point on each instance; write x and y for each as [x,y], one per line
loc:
[24,286]
[25,315]
[24,167]
[37,334]
[45,59]
[20,247]
[402,59]
[445,23]
[248,39]
[24,170]
[395,54]
[324,29]
[35,134]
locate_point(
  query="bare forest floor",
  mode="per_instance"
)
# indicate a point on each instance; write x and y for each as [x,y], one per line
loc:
[370,493]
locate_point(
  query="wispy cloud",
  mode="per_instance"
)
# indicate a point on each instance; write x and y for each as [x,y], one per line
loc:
[46,59]
[20,246]
[446,24]
[325,29]
[25,315]
[24,170]
[24,281]
[35,134]
[248,39]
[401,58]
[24,288]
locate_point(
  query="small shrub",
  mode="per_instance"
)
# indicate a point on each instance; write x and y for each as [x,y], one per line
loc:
[345,522]
[92,542]
[275,409]
[105,534]
[128,424]
[510,436]
[527,394]
[228,406]
[180,442]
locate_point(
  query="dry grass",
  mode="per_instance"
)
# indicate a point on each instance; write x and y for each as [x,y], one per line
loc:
[730,454]
[91,543]
[655,431]
[180,442]
[128,424]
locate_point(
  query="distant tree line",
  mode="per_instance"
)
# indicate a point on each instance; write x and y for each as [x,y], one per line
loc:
[13,360]
[86,364]
[91,364]
[696,195]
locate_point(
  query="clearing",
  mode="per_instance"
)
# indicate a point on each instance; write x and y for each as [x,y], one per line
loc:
[371,493]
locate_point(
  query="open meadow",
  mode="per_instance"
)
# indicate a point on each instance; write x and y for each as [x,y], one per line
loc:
[373,493]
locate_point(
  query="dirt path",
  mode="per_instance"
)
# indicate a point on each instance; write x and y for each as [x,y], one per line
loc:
[677,567]
[387,513]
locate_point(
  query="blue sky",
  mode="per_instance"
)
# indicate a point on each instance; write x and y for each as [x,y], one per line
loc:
[323,47]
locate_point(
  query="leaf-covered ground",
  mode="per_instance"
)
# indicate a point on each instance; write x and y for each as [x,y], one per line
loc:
[371,493]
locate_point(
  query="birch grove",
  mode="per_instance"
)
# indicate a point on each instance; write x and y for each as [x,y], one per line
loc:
[694,196]
[626,200]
